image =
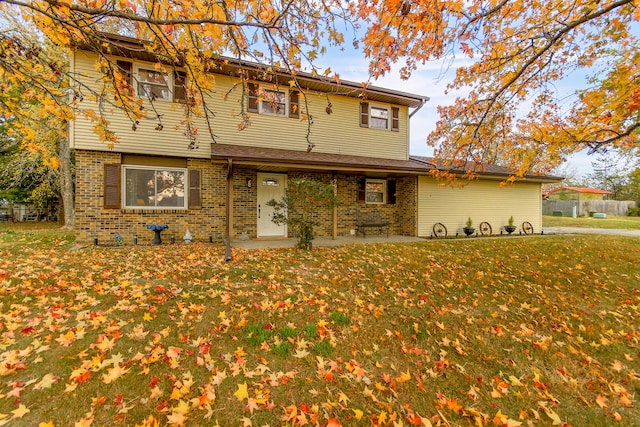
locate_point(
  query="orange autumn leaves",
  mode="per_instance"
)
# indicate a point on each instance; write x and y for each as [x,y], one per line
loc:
[173,335]
[509,110]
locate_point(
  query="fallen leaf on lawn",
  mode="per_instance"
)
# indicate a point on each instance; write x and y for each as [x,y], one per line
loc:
[113,374]
[20,412]
[242,392]
[177,418]
[601,401]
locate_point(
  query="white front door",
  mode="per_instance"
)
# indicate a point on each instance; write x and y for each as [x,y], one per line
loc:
[270,186]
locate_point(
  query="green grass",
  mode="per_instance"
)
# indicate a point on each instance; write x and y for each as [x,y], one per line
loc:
[621,222]
[464,332]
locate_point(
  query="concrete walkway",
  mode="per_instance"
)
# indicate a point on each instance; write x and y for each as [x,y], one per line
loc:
[580,230]
[323,241]
[358,240]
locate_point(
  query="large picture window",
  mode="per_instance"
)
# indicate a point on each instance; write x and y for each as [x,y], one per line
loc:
[152,188]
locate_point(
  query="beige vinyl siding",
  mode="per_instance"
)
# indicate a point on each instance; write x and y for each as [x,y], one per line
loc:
[338,132]
[170,141]
[482,200]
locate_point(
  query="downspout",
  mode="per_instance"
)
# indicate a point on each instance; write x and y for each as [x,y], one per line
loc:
[227,232]
[422,102]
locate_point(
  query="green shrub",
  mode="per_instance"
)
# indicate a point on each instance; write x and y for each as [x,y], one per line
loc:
[299,206]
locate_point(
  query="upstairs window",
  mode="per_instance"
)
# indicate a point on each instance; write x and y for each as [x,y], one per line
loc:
[273,102]
[379,117]
[154,85]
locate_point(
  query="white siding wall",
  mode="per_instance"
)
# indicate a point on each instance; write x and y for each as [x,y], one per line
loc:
[482,200]
[338,132]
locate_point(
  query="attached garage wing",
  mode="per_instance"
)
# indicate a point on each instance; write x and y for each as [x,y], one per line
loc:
[482,201]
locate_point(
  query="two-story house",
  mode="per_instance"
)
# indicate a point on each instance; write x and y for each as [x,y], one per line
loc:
[357,139]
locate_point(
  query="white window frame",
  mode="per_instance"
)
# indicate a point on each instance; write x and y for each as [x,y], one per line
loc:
[265,103]
[372,117]
[185,201]
[139,81]
[367,192]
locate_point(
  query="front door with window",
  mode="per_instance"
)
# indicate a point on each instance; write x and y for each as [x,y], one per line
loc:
[270,186]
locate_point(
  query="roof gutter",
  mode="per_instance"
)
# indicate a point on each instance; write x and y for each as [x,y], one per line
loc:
[422,102]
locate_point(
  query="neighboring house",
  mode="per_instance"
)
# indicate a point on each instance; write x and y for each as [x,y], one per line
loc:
[580,194]
[359,141]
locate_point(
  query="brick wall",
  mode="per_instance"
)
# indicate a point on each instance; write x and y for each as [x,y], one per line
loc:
[93,221]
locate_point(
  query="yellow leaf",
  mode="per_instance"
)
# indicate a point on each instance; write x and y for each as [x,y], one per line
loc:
[177,419]
[176,393]
[20,412]
[113,374]
[49,424]
[404,377]
[242,392]
[357,414]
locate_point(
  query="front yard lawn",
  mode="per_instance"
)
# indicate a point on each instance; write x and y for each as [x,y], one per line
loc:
[623,222]
[540,330]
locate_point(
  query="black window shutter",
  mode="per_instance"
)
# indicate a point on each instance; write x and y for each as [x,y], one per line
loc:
[112,186]
[362,189]
[395,119]
[195,199]
[179,86]
[253,98]
[126,68]
[364,114]
[391,192]
[294,104]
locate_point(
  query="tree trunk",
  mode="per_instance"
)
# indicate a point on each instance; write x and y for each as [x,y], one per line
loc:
[66,184]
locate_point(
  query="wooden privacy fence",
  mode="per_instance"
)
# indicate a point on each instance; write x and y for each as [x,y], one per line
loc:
[610,207]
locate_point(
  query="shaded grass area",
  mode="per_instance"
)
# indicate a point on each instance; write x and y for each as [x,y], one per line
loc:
[622,222]
[538,330]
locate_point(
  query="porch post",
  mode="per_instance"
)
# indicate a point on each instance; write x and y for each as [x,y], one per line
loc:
[335,209]
[227,233]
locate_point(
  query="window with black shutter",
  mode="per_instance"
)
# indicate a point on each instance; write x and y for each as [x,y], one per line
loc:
[126,69]
[395,119]
[294,104]
[179,86]
[253,98]
[112,186]
[195,187]
[364,114]
[391,192]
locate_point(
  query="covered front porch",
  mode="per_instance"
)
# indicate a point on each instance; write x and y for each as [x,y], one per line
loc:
[250,170]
